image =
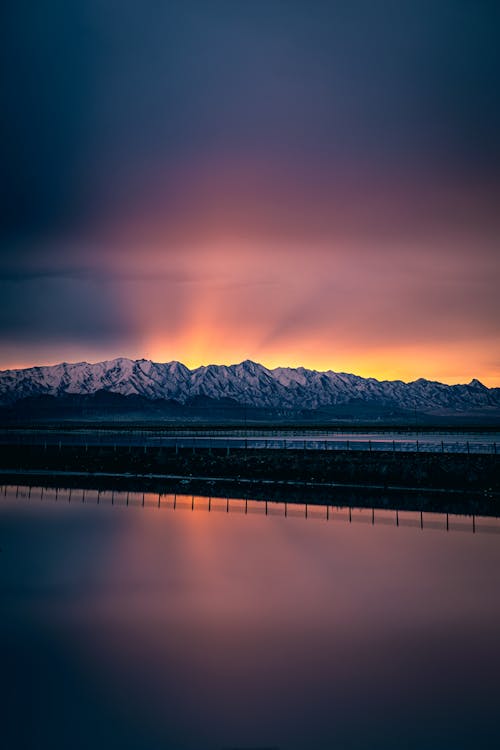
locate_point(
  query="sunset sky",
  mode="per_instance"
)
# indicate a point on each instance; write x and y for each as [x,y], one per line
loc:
[295,182]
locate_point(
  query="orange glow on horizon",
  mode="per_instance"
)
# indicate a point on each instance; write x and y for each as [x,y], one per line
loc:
[387,365]
[325,306]
[406,364]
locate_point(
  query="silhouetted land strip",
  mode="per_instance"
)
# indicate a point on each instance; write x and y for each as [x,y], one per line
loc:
[384,471]
[163,429]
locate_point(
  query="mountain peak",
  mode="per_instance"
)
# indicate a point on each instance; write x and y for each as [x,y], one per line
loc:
[475,383]
[249,366]
[246,383]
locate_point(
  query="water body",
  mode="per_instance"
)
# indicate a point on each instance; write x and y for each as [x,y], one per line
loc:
[486,441]
[125,626]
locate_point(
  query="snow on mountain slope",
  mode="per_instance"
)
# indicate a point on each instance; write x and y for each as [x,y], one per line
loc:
[247,382]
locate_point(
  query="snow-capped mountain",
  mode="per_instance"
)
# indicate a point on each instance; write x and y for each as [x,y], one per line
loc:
[245,383]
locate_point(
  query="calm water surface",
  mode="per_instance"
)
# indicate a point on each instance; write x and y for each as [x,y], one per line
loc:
[130,627]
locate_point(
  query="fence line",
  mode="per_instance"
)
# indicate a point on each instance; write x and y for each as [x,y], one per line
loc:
[423,520]
[370,443]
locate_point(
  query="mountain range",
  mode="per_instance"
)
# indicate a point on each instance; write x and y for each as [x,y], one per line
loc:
[248,384]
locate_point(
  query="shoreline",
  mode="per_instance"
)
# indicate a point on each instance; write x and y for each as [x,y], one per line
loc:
[468,484]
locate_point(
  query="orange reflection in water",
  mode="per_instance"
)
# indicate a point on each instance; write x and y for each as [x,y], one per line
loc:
[223,629]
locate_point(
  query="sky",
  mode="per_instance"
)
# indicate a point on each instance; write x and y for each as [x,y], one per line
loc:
[294,182]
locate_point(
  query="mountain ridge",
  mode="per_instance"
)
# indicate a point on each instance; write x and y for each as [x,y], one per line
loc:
[247,382]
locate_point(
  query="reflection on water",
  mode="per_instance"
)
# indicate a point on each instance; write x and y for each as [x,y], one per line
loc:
[130,628]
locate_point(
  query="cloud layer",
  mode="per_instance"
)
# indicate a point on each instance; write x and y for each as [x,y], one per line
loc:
[297,184]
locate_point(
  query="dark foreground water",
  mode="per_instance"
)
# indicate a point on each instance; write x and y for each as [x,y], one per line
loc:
[131,627]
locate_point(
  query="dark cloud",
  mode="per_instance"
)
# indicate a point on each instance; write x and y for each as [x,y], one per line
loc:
[63,309]
[96,275]
[97,96]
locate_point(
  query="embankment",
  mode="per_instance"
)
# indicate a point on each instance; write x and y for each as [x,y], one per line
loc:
[448,471]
